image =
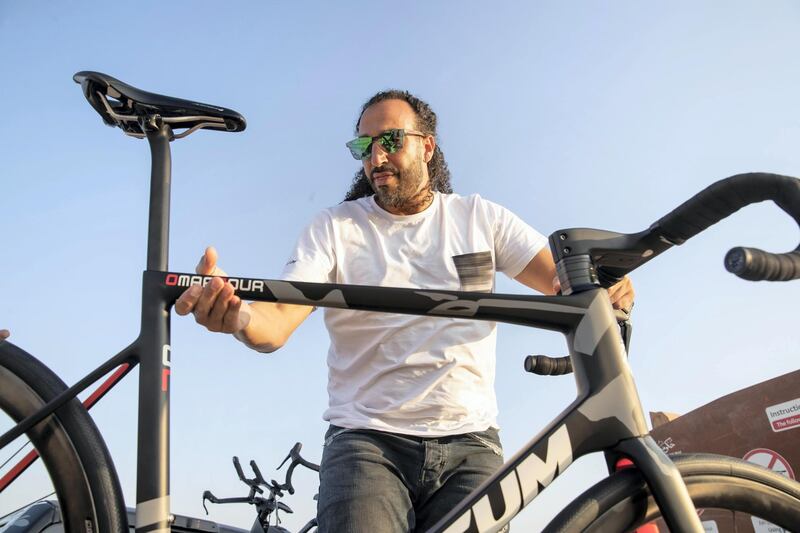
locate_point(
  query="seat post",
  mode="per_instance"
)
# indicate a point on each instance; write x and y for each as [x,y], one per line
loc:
[159,136]
[153,345]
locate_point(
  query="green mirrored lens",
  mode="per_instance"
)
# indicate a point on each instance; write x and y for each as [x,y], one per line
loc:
[360,147]
[391,141]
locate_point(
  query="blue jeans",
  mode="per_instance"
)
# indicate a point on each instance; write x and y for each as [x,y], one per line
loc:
[372,481]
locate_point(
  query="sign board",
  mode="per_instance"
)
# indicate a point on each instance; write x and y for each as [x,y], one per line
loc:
[760,424]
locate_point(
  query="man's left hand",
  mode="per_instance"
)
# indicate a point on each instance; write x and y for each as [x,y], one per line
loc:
[622,295]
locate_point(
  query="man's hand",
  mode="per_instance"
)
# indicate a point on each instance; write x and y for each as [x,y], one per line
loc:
[622,295]
[214,306]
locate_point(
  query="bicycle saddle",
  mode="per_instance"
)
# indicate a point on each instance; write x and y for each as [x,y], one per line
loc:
[128,108]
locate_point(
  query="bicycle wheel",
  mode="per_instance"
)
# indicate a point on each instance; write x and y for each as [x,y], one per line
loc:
[622,502]
[68,442]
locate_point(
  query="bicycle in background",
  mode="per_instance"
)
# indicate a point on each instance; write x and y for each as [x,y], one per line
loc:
[266,506]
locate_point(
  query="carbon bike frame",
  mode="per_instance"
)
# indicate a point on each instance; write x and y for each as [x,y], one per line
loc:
[605,416]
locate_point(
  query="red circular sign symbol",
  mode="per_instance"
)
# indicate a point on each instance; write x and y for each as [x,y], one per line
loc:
[770,459]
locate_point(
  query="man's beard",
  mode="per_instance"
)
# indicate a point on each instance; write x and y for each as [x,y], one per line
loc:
[407,194]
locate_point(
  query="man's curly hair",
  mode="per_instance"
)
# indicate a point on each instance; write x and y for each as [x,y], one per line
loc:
[426,123]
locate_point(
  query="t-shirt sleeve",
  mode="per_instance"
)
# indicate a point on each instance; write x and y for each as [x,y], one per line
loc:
[515,242]
[313,258]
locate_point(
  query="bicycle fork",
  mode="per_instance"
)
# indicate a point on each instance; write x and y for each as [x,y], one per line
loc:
[664,481]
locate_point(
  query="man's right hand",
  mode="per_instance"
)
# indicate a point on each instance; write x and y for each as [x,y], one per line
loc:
[214,306]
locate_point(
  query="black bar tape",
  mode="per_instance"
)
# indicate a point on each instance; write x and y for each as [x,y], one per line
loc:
[757,265]
[548,366]
[726,197]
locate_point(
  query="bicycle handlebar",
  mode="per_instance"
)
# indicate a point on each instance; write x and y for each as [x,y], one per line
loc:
[208,495]
[252,483]
[756,265]
[548,366]
[269,504]
[259,478]
[297,459]
[587,258]
[726,197]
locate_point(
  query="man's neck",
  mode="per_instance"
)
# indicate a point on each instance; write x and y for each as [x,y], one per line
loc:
[417,204]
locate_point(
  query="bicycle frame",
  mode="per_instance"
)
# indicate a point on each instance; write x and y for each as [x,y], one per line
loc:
[605,416]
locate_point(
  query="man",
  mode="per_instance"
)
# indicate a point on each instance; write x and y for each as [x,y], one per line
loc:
[412,405]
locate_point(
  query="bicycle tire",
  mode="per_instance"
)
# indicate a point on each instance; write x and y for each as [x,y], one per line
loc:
[68,443]
[622,502]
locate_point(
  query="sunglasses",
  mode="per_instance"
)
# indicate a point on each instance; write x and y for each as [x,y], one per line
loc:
[390,140]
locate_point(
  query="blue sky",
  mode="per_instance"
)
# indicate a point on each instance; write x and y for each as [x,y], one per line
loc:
[569,113]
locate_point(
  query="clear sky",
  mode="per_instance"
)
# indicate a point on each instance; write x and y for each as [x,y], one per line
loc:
[597,114]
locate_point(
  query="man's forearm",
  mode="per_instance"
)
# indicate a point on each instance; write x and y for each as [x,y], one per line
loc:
[270,324]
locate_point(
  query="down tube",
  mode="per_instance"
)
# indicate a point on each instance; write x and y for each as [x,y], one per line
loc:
[524,476]
[152,477]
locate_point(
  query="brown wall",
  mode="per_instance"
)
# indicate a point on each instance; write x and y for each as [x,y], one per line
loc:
[763,420]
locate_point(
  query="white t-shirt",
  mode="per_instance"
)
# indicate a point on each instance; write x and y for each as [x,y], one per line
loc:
[406,374]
